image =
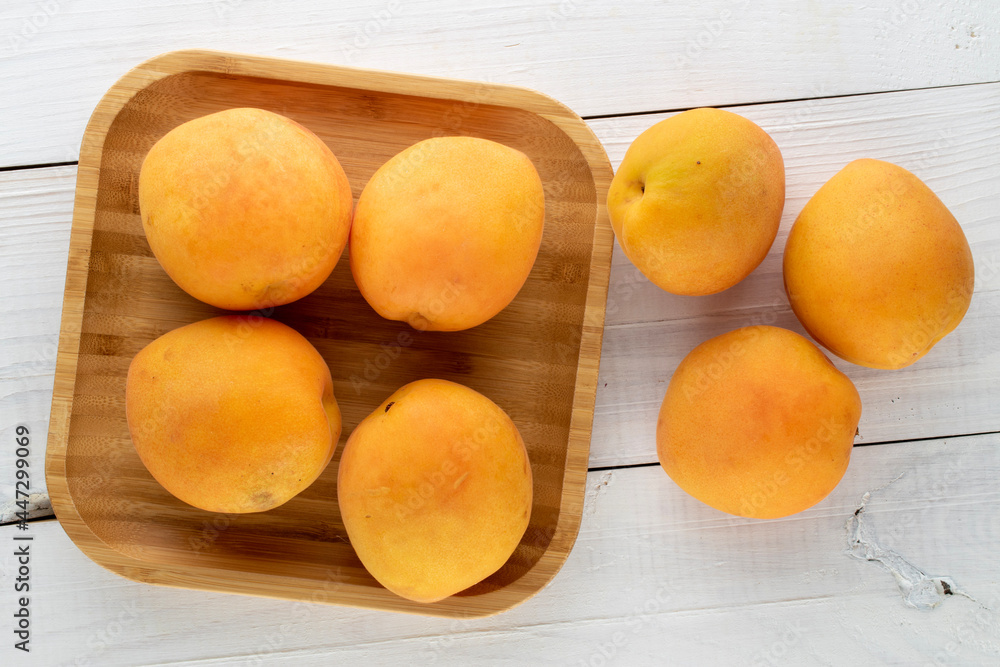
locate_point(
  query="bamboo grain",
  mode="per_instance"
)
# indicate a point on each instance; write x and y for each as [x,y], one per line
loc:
[538,359]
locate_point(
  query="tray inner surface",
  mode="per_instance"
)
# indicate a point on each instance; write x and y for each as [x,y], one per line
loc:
[525,359]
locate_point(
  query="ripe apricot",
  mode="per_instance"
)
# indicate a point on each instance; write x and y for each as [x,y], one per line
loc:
[446,232]
[232,414]
[757,422]
[435,489]
[244,208]
[697,199]
[876,267]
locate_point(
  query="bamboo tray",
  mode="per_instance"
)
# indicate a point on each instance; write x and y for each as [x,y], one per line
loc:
[538,359]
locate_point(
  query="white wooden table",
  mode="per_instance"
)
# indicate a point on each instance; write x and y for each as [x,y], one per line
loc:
[655,577]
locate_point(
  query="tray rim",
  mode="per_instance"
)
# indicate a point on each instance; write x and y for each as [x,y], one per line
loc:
[78,266]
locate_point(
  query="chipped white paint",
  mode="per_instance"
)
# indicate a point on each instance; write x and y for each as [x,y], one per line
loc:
[35,506]
[594,491]
[919,590]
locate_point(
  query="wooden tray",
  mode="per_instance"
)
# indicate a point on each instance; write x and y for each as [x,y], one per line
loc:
[537,359]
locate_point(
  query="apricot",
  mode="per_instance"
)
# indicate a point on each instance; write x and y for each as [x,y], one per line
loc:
[232,414]
[697,200]
[757,422]
[446,232]
[876,267]
[434,489]
[244,208]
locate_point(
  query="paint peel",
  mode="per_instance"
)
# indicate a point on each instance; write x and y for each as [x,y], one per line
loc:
[37,506]
[919,590]
[598,488]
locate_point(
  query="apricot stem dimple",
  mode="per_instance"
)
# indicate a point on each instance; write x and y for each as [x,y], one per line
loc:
[637,184]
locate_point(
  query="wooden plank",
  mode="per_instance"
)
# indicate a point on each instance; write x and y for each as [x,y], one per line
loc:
[946,137]
[655,577]
[58,57]
[35,210]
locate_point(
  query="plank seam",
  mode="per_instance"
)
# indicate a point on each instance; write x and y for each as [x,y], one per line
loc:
[45,165]
[786,101]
